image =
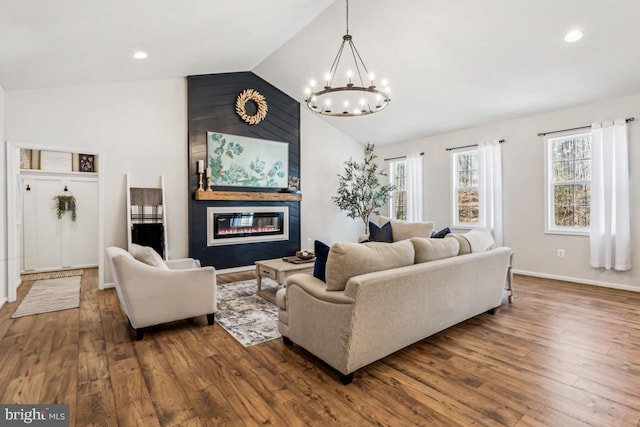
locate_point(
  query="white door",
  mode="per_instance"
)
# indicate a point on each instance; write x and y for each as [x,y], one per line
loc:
[51,242]
[41,227]
[80,237]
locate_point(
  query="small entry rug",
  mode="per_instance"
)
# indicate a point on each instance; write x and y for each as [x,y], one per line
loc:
[249,318]
[50,295]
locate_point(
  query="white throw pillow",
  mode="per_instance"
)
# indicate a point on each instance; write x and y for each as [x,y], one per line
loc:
[480,240]
[148,256]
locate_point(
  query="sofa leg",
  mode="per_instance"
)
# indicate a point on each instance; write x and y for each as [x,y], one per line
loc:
[210,318]
[286,340]
[346,379]
[493,311]
[139,334]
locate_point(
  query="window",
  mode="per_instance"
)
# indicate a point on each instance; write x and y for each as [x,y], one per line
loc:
[569,183]
[398,202]
[465,188]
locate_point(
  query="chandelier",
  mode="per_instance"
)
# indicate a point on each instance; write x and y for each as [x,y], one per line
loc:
[355,97]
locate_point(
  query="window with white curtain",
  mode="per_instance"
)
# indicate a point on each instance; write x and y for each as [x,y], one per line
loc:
[398,201]
[568,177]
[465,181]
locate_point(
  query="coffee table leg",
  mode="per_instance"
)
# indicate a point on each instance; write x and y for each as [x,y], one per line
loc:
[258,279]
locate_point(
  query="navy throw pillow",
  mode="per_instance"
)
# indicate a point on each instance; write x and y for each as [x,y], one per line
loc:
[441,234]
[380,234]
[320,265]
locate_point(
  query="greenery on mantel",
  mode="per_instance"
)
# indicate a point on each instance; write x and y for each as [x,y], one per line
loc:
[65,203]
[359,190]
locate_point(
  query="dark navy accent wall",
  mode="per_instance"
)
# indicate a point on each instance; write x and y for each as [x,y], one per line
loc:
[211,107]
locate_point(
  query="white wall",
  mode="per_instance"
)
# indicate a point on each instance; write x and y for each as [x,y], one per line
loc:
[140,127]
[324,149]
[3,205]
[524,190]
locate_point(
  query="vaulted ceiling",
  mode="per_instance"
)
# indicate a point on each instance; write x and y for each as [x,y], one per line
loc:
[450,64]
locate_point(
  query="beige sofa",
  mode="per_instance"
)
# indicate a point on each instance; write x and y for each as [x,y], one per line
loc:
[380,312]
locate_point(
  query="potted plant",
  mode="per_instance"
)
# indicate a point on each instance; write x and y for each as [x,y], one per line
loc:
[360,192]
[65,202]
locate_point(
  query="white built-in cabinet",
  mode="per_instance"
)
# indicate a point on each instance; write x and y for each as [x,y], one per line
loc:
[50,243]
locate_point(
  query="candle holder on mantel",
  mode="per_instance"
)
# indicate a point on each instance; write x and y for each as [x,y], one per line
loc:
[209,179]
[200,181]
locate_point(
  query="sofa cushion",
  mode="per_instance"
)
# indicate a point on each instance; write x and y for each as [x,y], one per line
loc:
[403,230]
[463,244]
[148,256]
[347,259]
[380,234]
[321,251]
[433,249]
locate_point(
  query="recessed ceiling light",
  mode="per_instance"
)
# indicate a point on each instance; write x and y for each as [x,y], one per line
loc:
[573,36]
[140,55]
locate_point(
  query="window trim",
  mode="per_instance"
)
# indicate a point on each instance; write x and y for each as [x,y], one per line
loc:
[549,227]
[391,181]
[453,193]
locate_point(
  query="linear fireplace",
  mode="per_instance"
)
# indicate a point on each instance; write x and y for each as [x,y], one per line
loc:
[246,224]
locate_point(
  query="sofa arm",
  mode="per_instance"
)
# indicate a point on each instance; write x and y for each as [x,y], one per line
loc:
[182,263]
[318,289]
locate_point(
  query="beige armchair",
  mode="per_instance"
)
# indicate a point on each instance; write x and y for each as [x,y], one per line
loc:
[151,295]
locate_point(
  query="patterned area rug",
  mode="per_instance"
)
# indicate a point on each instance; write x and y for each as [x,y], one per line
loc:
[50,295]
[249,318]
[50,275]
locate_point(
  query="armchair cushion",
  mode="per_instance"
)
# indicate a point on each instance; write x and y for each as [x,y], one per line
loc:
[148,255]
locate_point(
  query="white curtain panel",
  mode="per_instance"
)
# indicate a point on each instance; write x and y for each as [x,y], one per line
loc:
[610,234]
[414,187]
[490,188]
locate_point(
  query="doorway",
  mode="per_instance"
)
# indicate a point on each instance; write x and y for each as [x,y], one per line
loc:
[15,207]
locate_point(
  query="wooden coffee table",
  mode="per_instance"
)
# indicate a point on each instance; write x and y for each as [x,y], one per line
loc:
[278,270]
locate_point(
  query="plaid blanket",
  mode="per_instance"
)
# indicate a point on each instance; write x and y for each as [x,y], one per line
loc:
[141,214]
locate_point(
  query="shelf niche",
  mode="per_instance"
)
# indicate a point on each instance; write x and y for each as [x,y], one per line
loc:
[248,196]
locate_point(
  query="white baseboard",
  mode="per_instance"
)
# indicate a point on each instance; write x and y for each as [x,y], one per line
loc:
[3,301]
[579,281]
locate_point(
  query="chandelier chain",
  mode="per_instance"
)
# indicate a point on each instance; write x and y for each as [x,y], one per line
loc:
[347,16]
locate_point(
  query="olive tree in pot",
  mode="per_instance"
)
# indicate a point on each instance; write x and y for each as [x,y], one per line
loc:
[360,192]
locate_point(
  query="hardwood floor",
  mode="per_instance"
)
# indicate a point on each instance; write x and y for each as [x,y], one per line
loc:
[561,355]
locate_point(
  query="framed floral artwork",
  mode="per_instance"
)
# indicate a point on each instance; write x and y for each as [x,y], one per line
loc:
[247,162]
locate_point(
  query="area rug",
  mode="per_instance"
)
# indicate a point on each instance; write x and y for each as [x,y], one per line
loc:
[249,318]
[50,295]
[50,275]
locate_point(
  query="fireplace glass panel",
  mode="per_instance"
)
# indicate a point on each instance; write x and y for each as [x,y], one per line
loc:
[247,224]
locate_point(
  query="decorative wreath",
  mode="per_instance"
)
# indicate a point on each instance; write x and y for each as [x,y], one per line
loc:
[261,104]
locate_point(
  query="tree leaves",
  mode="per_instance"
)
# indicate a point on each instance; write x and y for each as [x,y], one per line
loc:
[359,190]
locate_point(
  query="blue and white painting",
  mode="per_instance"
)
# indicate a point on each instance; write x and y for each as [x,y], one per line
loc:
[247,162]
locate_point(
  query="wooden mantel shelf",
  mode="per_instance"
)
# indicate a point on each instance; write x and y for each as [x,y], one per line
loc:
[248,196]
